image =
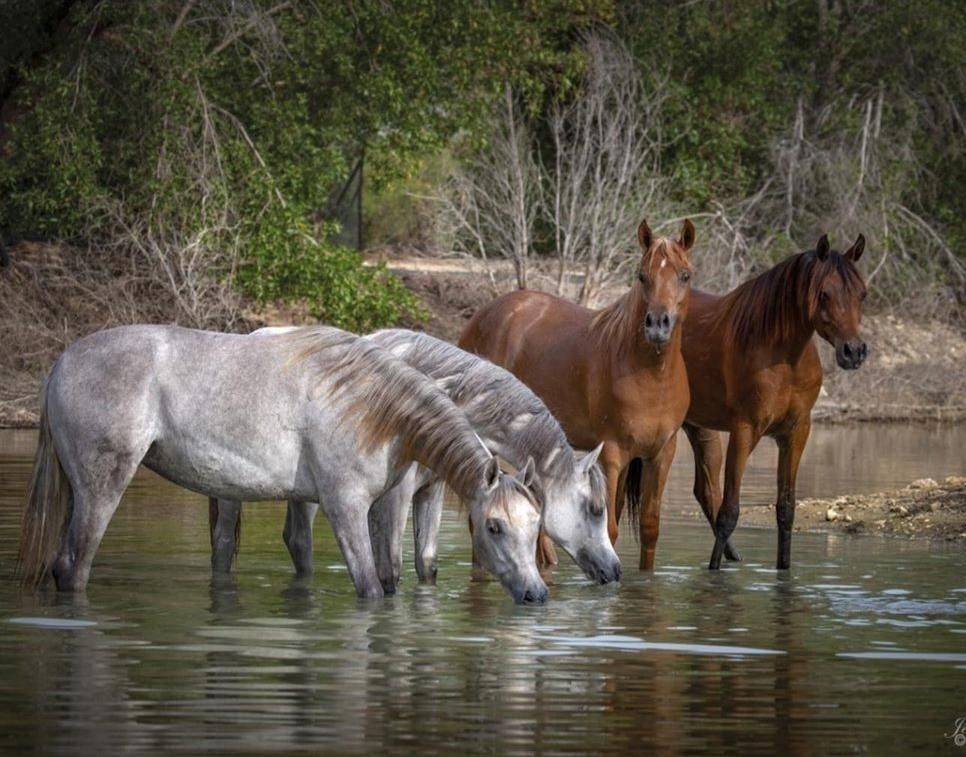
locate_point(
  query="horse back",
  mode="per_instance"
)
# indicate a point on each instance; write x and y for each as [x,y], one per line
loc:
[545,342]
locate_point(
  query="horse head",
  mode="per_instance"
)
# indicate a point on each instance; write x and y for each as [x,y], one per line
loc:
[836,294]
[505,521]
[663,282]
[575,517]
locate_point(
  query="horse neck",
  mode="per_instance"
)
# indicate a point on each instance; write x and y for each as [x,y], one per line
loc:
[770,312]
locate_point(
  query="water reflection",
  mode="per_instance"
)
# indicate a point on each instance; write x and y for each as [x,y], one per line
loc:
[860,648]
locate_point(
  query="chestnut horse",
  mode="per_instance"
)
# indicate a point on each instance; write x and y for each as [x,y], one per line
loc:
[614,375]
[754,371]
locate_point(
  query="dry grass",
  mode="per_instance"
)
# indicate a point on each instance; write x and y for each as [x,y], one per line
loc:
[51,295]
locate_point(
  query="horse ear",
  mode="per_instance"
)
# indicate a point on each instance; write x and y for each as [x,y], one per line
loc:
[687,234]
[855,251]
[644,236]
[587,462]
[525,476]
[491,474]
[822,248]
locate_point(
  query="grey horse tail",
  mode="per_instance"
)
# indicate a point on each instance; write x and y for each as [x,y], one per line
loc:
[49,508]
[629,489]
[213,521]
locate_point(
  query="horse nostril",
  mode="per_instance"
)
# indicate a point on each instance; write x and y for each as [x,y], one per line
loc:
[649,321]
[863,350]
[665,321]
[847,350]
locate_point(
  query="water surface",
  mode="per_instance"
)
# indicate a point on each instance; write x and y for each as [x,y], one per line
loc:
[860,648]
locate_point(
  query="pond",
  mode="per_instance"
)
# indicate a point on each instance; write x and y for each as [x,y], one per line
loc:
[860,648]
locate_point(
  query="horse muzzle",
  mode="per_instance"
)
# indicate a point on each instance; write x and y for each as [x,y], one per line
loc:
[599,571]
[851,354]
[658,326]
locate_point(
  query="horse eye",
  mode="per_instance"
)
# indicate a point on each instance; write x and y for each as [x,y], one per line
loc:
[685,276]
[494,526]
[642,277]
[823,296]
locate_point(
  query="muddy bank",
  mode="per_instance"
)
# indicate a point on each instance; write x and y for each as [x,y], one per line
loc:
[925,509]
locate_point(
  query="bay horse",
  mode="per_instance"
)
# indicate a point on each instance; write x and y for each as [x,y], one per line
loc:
[318,415]
[754,371]
[614,375]
[512,422]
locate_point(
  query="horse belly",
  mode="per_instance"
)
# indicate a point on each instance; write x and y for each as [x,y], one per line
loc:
[212,467]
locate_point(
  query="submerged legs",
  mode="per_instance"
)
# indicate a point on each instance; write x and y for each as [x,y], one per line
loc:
[743,441]
[387,522]
[708,457]
[224,521]
[790,450]
[297,533]
[427,514]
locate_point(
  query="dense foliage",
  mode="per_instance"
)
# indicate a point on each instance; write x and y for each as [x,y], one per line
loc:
[221,128]
[226,126]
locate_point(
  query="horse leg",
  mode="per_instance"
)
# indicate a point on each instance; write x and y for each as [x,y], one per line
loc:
[654,475]
[790,450]
[387,522]
[427,514]
[223,519]
[546,553]
[708,457]
[351,526]
[743,440]
[613,463]
[297,535]
[96,493]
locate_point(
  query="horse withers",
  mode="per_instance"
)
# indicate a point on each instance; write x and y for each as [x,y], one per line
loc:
[754,371]
[613,376]
[320,415]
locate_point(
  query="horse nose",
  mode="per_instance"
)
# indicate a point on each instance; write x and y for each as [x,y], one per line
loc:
[535,596]
[854,353]
[658,326]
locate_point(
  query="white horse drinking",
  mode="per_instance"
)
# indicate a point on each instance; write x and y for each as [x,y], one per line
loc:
[318,415]
[513,423]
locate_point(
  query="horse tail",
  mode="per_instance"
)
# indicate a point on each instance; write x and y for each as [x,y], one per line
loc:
[213,522]
[629,489]
[49,507]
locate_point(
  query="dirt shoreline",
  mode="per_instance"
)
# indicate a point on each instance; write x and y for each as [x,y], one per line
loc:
[925,509]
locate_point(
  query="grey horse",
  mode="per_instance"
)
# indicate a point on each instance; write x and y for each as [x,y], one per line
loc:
[319,415]
[513,423]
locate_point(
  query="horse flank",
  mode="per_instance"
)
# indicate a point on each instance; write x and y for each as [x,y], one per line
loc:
[391,399]
[771,309]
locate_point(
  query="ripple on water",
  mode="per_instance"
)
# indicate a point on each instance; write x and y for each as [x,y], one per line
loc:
[63,624]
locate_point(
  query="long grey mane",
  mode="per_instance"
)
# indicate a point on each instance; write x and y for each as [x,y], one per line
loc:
[388,398]
[492,397]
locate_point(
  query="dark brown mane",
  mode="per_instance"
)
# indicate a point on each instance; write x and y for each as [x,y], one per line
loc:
[775,306]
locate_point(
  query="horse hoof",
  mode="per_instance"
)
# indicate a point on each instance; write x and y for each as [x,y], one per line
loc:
[731,553]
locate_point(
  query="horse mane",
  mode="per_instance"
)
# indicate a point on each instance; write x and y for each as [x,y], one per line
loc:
[490,396]
[387,398]
[772,307]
